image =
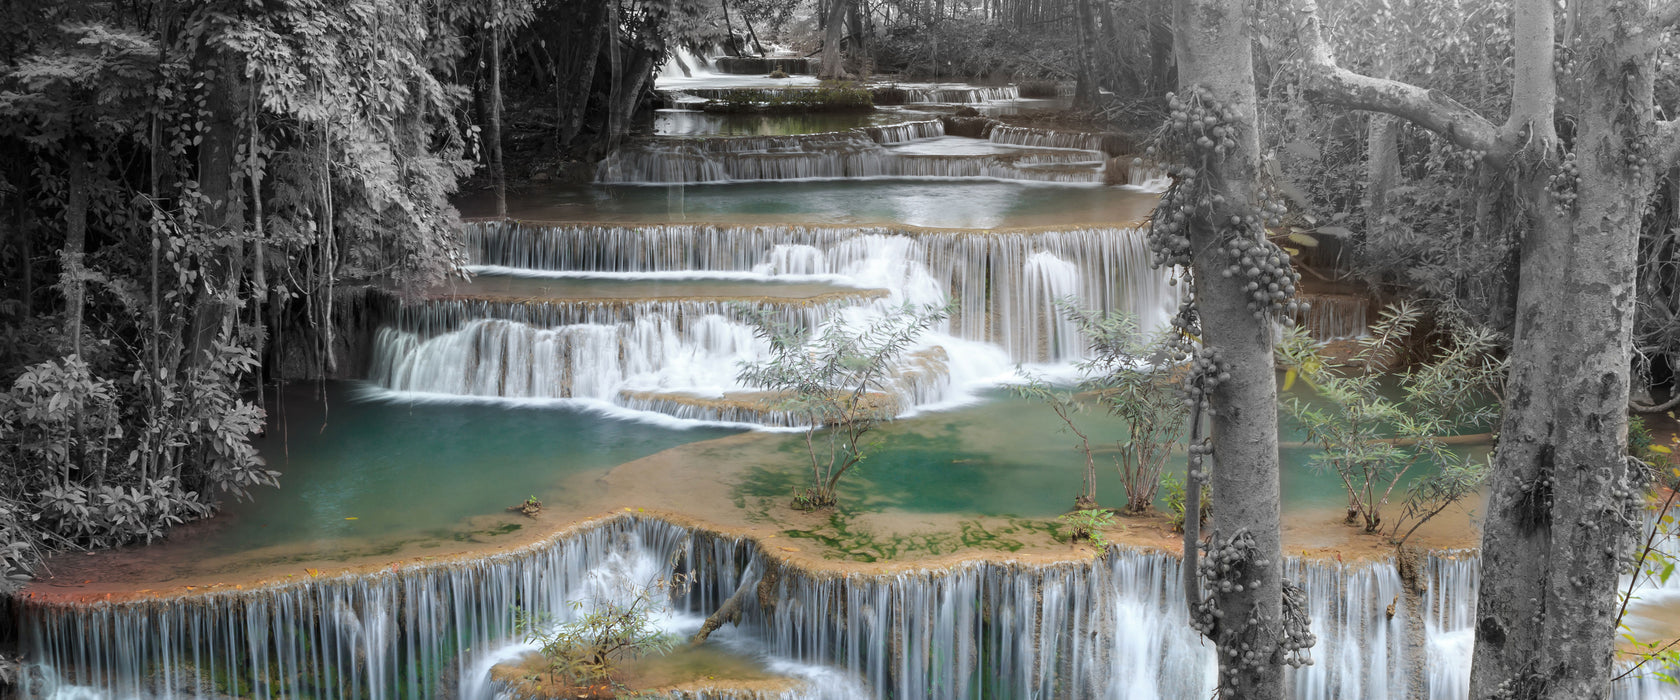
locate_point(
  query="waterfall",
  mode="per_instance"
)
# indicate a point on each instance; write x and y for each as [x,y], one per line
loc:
[1046,138]
[857,153]
[905,132]
[957,94]
[986,273]
[1333,316]
[1109,628]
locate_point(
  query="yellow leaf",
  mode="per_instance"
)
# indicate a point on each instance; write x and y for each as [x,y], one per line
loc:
[350,518]
[1661,449]
[1288,379]
[1303,240]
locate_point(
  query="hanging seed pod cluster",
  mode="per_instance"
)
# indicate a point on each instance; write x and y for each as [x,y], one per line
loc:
[1199,132]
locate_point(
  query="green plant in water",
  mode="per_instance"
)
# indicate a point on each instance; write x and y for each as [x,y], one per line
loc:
[1371,442]
[839,382]
[586,651]
[1127,377]
[1089,525]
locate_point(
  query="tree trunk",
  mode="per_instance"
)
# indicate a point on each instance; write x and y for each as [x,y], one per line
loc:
[75,241]
[1085,87]
[574,106]
[860,39]
[1562,498]
[498,173]
[833,67]
[1213,52]
[1382,174]
[1163,74]
[223,218]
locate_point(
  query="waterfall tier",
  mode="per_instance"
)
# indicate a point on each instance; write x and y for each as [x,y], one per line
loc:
[1047,138]
[893,94]
[1333,316]
[1004,282]
[865,152]
[1112,628]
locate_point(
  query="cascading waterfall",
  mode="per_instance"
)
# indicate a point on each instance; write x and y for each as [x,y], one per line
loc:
[912,94]
[1111,628]
[1045,138]
[1333,316]
[986,273]
[865,152]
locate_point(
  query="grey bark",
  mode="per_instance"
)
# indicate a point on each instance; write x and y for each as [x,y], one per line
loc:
[833,67]
[1213,51]
[75,242]
[1561,499]
[1382,175]
[498,171]
[1085,87]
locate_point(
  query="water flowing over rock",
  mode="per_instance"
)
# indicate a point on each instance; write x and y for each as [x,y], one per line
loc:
[1333,316]
[1003,281]
[866,152]
[681,356]
[1111,628]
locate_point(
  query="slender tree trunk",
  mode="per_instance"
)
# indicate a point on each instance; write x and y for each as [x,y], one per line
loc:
[860,38]
[1213,52]
[575,105]
[75,242]
[223,218]
[1085,87]
[1382,175]
[498,173]
[1162,73]
[729,45]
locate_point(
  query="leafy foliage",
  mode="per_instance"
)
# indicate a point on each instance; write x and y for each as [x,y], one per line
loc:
[1177,499]
[1129,375]
[1371,442]
[839,380]
[211,174]
[1089,525]
[606,630]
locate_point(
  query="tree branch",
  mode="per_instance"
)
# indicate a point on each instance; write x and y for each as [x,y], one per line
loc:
[1329,83]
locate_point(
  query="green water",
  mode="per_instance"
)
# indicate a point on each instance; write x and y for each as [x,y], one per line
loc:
[940,204]
[401,468]
[1010,456]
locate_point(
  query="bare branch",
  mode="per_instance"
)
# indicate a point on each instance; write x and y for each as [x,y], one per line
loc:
[1329,83]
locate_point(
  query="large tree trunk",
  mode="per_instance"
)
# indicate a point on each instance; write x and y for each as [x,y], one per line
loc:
[833,62]
[1561,500]
[1213,51]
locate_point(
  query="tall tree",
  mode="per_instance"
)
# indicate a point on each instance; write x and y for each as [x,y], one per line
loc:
[1579,150]
[1212,221]
[834,28]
